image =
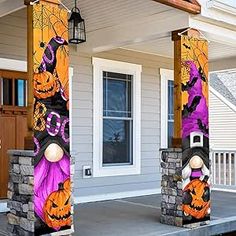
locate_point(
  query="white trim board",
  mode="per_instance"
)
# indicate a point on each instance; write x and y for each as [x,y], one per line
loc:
[113,196]
[166,75]
[221,6]
[11,64]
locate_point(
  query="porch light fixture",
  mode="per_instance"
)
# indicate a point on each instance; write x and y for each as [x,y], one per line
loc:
[77,33]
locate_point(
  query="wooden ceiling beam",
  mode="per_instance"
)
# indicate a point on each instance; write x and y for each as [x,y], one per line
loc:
[27,2]
[190,6]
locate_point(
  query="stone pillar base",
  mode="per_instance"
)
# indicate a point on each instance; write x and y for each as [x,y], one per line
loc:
[20,193]
[171,187]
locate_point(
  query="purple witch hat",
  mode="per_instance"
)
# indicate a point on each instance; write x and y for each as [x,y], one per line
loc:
[195,112]
[49,59]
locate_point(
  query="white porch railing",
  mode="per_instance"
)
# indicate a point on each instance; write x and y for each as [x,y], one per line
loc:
[223,167]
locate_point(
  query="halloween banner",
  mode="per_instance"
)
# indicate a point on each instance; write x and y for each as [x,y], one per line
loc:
[195,130]
[52,189]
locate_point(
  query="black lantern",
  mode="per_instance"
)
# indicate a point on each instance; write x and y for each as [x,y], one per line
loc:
[77,32]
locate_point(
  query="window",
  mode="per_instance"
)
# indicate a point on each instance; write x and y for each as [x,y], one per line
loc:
[13,89]
[20,92]
[170,126]
[117,95]
[7,92]
[117,118]
[167,107]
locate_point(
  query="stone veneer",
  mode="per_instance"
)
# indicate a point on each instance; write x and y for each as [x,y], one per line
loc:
[20,193]
[21,218]
[171,187]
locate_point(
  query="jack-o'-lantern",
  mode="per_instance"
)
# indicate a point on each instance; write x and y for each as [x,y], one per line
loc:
[67,185]
[196,198]
[45,85]
[57,208]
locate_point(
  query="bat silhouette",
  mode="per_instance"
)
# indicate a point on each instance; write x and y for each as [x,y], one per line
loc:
[186,46]
[190,109]
[202,127]
[187,86]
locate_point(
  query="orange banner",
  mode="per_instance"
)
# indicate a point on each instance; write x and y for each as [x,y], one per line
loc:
[195,130]
[52,189]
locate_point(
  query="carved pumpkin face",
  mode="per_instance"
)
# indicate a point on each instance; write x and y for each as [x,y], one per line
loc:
[57,208]
[45,85]
[196,199]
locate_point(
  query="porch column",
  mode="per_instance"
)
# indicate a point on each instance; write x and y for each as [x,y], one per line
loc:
[186,171]
[48,115]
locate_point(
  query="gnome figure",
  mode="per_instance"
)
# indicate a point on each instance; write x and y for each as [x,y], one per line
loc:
[195,165]
[52,159]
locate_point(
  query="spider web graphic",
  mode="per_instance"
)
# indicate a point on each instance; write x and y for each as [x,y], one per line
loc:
[195,50]
[48,22]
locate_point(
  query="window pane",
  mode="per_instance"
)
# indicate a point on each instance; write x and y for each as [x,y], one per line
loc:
[170,112]
[116,95]
[117,141]
[7,92]
[20,92]
[170,100]
[170,132]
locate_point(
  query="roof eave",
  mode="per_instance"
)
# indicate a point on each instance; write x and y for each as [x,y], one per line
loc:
[191,6]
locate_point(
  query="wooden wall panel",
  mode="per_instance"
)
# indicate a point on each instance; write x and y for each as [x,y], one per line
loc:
[8,141]
[21,130]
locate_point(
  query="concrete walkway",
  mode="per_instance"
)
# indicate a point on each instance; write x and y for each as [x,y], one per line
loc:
[140,216]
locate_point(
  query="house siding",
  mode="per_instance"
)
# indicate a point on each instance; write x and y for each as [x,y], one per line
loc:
[13,46]
[82,124]
[222,124]
[13,36]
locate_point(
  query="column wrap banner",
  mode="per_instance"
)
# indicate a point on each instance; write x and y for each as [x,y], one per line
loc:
[195,130]
[52,185]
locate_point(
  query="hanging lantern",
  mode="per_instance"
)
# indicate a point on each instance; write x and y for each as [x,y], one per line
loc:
[77,33]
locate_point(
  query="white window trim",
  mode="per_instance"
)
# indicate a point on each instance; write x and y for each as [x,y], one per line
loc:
[100,65]
[165,76]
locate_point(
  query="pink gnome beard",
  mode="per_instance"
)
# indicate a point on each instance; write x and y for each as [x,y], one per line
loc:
[47,176]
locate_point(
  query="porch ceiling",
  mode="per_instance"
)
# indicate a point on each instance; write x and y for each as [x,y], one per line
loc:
[164,47]
[116,23]
[6,6]
[112,24]
[140,25]
[107,13]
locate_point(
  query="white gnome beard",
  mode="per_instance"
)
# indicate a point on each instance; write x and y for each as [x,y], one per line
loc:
[186,173]
[205,171]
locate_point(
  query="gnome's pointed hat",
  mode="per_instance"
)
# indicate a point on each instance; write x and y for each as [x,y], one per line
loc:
[49,59]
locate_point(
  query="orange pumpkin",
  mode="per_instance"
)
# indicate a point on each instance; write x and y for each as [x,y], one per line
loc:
[57,208]
[196,199]
[45,85]
[67,185]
